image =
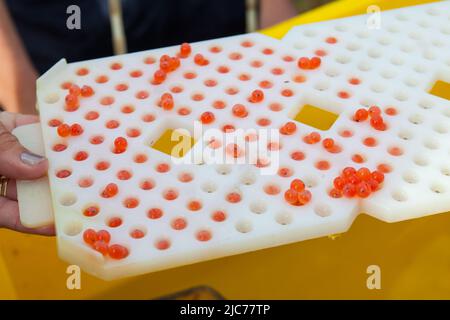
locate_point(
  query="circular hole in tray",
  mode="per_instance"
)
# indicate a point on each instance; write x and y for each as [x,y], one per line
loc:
[405,135]
[310,182]
[163,244]
[73,228]
[138,232]
[114,221]
[258,207]
[248,178]
[310,33]
[406,47]
[364,66]
[401,96]
[398,61]
[393,28]
[414,35]
[284,218]
[185,177]
[322,210]
[272,189]
[410,177]
[219,216]
[124,174]
[445,171]
[440,128]
[51,98]
[209,187]
[431,143]
[384,41]
[179,223]
[68,199]
[85,182]
[332,72]
[374,53]
[223,169]
[362,34]
[401,17]
[341,27]
[322,85]
[421,160]
[400,196]
[416,119]
[353,46]
[446,112]
[300,45]
[203,235]
[429,55]
[244,226]
[437,188]
[343,59]
[378,87]
[411,82]
[388,73]
[420,68]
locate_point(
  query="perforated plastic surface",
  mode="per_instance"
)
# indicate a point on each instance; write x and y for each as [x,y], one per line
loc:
[393,67]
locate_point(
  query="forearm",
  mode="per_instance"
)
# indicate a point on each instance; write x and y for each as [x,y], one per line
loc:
[274,11]
[17,75]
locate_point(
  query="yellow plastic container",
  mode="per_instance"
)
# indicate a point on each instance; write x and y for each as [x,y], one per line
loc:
[338,9]
[413,255]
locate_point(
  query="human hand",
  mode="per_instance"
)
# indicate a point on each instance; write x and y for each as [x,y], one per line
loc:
[17,163]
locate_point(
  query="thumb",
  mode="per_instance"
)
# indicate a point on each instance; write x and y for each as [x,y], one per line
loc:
[15,161]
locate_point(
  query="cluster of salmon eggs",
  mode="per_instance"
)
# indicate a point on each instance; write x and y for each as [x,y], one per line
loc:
[356,183]
[314,137]
[374,113]
[75,92]
[166,102]
[297,195]
[100,242]
[169,64]
[200,60]
[306,63]
[64,130]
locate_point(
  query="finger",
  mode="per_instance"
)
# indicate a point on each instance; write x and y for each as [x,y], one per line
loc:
[12,120]
[24,119]
[10,219]
[11,190]
[15,161]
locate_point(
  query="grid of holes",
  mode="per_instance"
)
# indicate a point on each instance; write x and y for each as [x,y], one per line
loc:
[411,81]
[333,73]
[389,39]
[94,115]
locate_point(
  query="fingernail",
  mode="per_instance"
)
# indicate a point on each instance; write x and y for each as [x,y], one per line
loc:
[30,158]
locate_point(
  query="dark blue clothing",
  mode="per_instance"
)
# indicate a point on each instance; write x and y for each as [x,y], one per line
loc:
[148,24]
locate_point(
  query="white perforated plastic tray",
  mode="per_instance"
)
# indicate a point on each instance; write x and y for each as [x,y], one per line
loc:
[392,67]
